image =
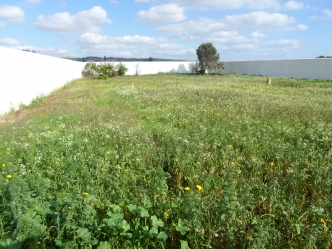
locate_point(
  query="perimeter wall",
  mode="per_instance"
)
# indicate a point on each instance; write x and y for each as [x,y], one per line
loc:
[25,76]
[298,68]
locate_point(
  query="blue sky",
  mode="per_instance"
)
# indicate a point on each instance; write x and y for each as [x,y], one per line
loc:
[173,29]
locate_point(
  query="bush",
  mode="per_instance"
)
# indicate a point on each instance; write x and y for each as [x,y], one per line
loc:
[90,70]
[103,71]
[106,70]
[121,69]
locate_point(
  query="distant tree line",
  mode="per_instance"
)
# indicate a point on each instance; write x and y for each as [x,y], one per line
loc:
[323,56]
[27,50]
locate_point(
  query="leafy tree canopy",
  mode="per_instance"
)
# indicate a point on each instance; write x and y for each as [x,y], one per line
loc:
[208,58]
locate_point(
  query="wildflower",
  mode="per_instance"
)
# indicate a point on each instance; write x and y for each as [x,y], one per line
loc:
[69,207]
[238,164]
[230,146]
[232,163]
[250,238]
[85,193]
[323,221]
[126,170]
[81,109]
[187,188]
[272,164]
[199,187]
[3,165]
[199,198]
[218,114]
[9,176]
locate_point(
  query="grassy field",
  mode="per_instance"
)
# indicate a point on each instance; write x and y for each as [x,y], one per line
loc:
[170,161]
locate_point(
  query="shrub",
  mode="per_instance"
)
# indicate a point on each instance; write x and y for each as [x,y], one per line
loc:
[121,69]
[90,70]
[104,71]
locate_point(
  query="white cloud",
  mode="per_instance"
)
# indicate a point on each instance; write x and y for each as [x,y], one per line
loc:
[162,14]
[229,4]
[172,50]
[89,20]
[192,30]
[96,44]
[11,13]
[114,1]
[15,44]
[302,27]
[284,44]
[294,5]
[259,21]
[9,42]
[57,52]
[33,1]
[257,34]
[142,1]
[328,13]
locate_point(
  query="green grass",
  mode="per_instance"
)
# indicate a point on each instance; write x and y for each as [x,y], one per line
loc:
[108,164]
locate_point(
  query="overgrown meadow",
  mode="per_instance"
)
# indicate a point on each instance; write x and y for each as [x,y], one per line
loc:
[170,161]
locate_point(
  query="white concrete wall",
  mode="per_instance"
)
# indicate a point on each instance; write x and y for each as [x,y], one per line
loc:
[26,75]
[299,68]
[154,67]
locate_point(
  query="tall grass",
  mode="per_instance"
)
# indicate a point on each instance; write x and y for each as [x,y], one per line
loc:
[170,161]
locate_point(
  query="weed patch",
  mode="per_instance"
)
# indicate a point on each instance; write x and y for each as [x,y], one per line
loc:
[170,161]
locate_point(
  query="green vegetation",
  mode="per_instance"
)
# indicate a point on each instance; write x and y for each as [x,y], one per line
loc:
[208,59]
[104,70]
[170,161]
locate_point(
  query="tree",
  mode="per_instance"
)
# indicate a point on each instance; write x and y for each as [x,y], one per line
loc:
[207,57]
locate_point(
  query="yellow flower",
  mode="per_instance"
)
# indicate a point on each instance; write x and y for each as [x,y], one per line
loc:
[250,238]
[3,165]
[187,188]
[232,163]
[69,207]
[199,187]
[323,221]
[85,193]
[199,198]
[126,170]
[238,164]
[272,164]
[81,109]
[9,176]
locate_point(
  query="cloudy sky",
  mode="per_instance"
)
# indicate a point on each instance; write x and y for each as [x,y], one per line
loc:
[173,29]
